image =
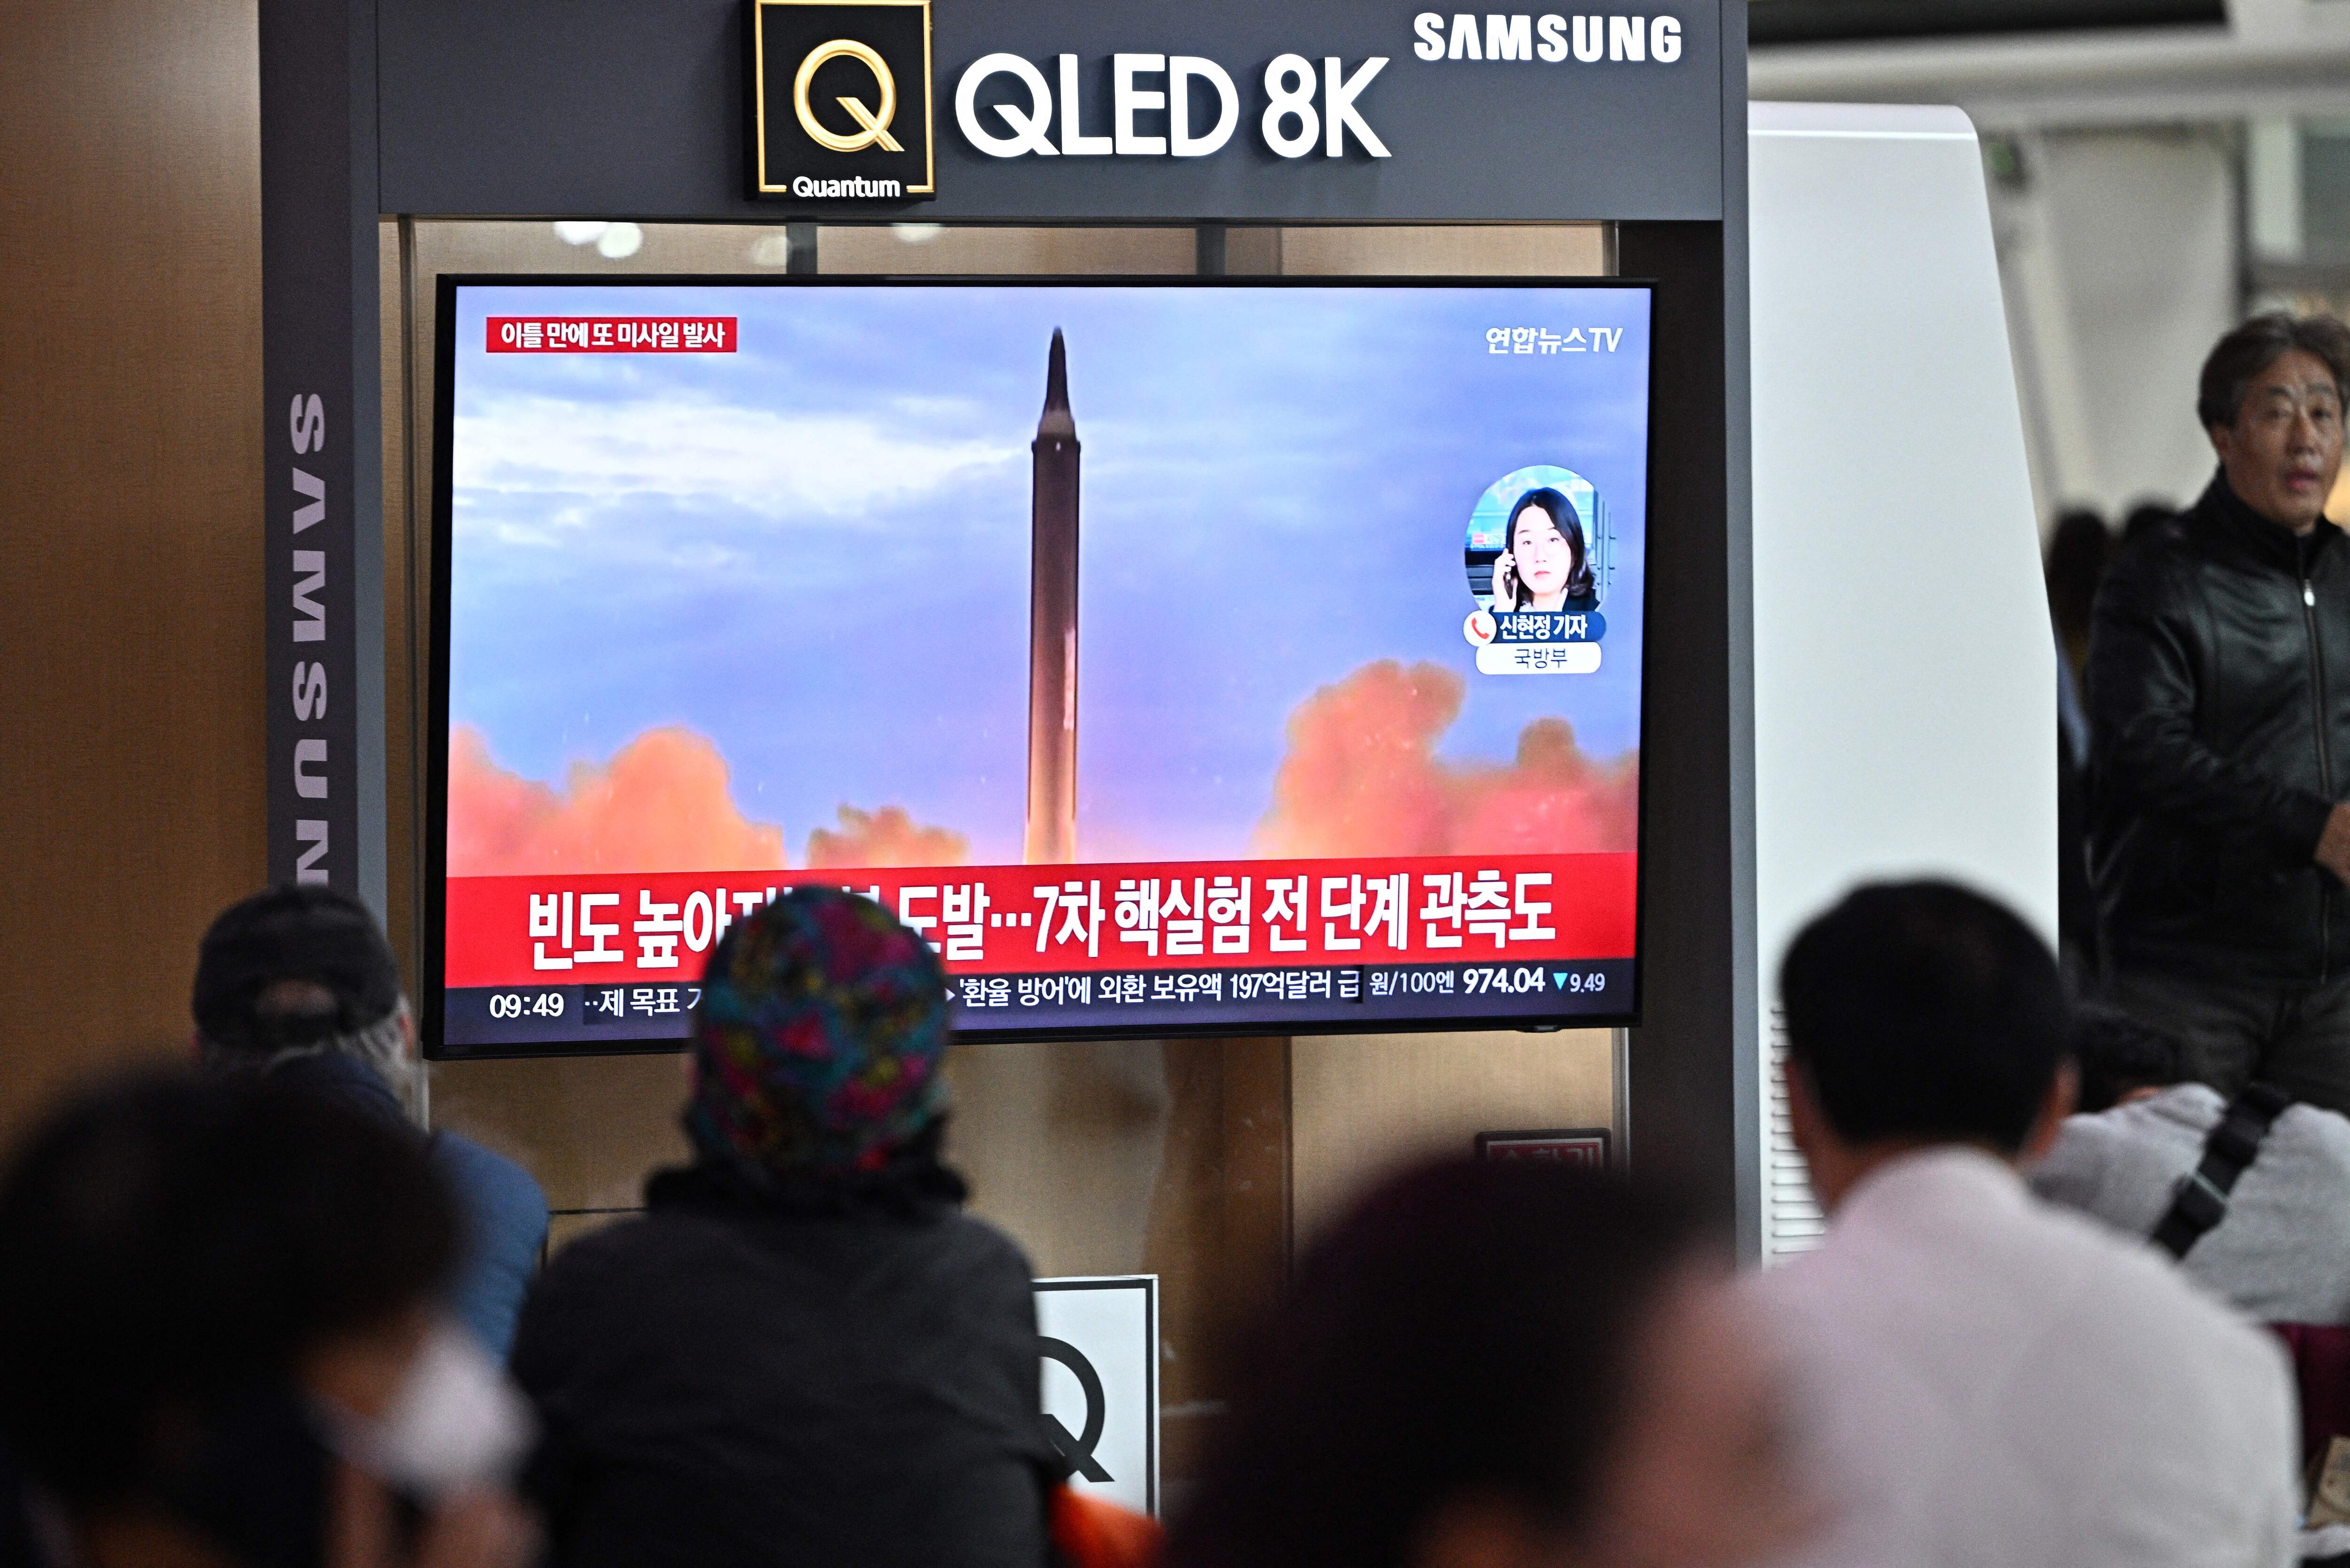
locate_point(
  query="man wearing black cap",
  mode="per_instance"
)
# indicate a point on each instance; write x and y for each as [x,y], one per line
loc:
[299,983]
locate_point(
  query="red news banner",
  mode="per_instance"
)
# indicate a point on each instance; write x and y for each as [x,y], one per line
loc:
[1026,919]
[611,334]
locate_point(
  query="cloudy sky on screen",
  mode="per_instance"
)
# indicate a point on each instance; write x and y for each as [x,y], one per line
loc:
[816,550]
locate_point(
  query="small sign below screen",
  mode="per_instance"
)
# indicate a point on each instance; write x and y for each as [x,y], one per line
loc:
[1585,1148]
[1100,1342]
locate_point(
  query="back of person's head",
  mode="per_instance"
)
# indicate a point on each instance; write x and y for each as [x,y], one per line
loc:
[1922,1010]
[171,1247]
[2143,518]
[2118,1053]
[301,971]
[1470,1336]
[818,1041]
[2078,549]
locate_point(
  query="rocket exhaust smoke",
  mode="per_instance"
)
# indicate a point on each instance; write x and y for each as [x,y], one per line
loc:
[1362,778]
[663,803]
[889,836]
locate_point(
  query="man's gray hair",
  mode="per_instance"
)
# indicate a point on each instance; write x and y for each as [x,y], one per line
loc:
[2242,355]
[382,1046]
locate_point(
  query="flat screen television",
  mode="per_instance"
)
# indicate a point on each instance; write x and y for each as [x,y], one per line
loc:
[1183,656]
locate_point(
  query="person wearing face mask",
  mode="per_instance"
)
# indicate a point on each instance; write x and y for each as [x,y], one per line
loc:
[804,1352]
[1501,1364]
[220,1346]
[1545,563]
[2219,706]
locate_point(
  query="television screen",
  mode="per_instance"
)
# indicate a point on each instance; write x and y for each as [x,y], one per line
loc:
[1186,656]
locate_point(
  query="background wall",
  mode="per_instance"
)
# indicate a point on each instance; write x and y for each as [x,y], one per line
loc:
[130,716]
[2118,251]
[2151,183]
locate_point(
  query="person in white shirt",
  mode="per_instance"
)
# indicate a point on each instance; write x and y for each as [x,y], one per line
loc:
[2279,1250]
[1982,1379]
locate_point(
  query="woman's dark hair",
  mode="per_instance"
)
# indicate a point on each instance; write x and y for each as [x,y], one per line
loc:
[1467,1331]
[1553,505]
[170,1242]
[1925,1009]
[2241,357]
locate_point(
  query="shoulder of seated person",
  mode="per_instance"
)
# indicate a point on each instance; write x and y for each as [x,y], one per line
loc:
[2167,1127]
[632,1246]
[2331,1123]
[2314,1127]
[987,1244]
[482,1163]
[2197,1106]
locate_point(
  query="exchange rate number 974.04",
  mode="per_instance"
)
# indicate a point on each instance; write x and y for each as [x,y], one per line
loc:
[1497,980]
[1528,979]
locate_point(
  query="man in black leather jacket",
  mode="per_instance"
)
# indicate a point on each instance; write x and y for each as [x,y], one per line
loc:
[2218,691]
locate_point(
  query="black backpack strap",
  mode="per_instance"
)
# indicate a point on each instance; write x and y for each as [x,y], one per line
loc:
[2200,1200]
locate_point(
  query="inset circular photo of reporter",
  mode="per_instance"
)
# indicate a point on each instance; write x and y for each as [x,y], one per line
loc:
[1538,541]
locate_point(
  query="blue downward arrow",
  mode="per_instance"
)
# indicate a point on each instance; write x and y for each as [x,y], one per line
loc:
[1559,975]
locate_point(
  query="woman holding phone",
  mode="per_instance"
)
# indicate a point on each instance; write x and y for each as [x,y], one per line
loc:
[1545,565]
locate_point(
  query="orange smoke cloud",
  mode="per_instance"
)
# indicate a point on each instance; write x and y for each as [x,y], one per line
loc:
[661,803]
[885,837]
[1362,778]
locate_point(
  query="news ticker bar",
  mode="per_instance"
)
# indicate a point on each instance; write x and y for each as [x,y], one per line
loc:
[655,929]
[521,1017]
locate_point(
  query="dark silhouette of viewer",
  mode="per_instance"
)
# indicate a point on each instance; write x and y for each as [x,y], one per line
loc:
[298,984]
[1984,1378]
[804,1352]
[2078,549]
[220,1342]
[2144,518]
[2118,1057]
[1504,1364]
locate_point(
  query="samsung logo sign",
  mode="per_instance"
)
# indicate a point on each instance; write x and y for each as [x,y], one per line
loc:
[1549,38]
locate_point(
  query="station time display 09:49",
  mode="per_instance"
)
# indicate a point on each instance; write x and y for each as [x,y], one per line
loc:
[526,1004]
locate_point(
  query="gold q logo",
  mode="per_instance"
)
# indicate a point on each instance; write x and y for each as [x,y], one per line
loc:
[874,121]
[841,100]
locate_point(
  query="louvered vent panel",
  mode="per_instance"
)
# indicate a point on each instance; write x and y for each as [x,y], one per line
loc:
[1791,1220]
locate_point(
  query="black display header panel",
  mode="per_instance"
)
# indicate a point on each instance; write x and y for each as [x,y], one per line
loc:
[622,110]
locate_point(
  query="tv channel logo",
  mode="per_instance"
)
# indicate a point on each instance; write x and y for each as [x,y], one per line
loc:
[840,101]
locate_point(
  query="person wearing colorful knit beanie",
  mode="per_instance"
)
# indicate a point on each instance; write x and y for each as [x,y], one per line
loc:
[803,1352]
